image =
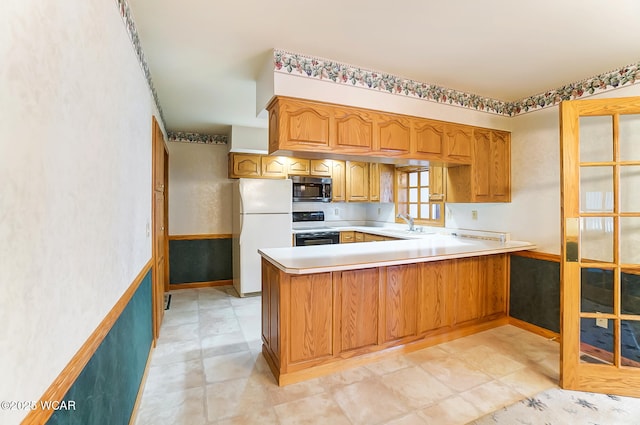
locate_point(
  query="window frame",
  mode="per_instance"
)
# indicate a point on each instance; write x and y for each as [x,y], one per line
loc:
[402,198]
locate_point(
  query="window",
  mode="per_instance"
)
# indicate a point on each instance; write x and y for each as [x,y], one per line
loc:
[417,198]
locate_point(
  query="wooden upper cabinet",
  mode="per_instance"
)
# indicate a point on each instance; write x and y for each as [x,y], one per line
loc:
[387,177]
[500,175]
[437,183]
[354,129]
[488,178]
[381,182]
[392,135]
[478,159]
[459,143]
[338,181]
[491,166]
[357,181]
[298,167]
[244,165]
[298,124]
[482,164]
[374,182]
[321,167]
[274,167]
[429,138]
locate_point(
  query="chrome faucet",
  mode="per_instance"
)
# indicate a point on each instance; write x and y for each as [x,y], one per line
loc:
[408,219]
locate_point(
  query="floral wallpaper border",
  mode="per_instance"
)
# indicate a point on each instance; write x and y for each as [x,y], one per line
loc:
[184,137]
[323,69]
[127,17]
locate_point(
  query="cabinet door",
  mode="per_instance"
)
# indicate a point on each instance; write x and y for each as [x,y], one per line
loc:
[358,308]
[482,165]
[458,144]
[303,124]
[469,303]
[369,237]
[437,183]
[435,295]
[274,167]
[311,317]
[386,176]
[400,286]
[298,167]
[338,181]
[271,307]
[393,134]
[429,138]
[374,182]
[354,130]
[500,167]
[491,166]
[321,167]
[244,165]
[347,237]
[495,284]
[357,181]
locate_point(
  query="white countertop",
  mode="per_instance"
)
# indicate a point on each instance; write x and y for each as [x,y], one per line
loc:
[360,255]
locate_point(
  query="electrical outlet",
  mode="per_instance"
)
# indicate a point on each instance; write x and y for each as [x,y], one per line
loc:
[474,215]
[148,229]
[449,214]
[379,211]
[336,211]
[603,323]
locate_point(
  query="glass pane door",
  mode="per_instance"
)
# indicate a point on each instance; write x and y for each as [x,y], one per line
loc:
[600,143]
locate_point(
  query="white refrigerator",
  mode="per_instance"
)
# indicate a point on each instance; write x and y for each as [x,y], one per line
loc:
[261,219]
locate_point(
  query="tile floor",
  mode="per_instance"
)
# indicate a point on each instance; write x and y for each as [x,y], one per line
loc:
[208,369]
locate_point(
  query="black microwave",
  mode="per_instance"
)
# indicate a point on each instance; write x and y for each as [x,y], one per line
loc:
[311,189]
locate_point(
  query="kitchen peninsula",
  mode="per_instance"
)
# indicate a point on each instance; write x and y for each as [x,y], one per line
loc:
[329,307]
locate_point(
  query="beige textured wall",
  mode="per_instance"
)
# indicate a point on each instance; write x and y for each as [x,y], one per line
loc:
[75,179]
[199,190]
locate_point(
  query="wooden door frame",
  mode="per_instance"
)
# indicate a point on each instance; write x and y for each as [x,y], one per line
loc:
[158,184]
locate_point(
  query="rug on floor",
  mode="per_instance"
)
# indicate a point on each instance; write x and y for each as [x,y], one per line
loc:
[560,407]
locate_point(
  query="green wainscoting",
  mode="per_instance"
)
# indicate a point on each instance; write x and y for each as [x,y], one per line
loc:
[535,292]
[106,389]
[200,260]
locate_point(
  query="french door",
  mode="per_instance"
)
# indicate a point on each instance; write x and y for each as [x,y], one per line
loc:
[600,295]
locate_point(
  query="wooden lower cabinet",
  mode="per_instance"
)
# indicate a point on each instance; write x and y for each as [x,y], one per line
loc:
[320,323]
[399,316]
[310,317]
[347,236]
[434,296]
[357,302]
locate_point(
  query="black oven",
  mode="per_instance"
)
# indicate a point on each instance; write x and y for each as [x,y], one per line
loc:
[311,189]
[316,233]
[317,238]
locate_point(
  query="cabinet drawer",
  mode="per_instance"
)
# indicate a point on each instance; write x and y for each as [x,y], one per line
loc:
[347,237]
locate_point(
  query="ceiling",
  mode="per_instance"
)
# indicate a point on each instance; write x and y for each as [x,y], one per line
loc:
[204,55]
